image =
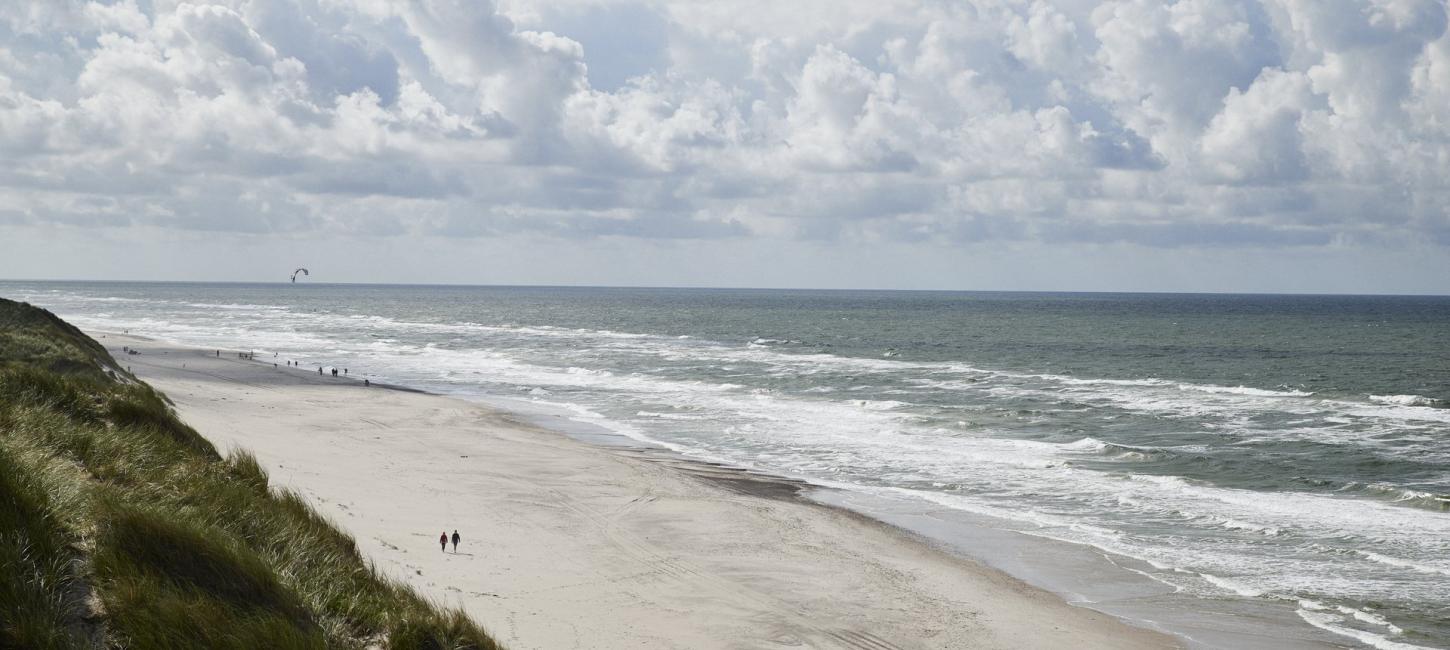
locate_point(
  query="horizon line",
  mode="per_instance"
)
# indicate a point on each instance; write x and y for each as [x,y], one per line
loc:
[739,288]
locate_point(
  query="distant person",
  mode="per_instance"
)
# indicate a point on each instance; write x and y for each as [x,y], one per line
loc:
[367,383]
[319,370]
[218,354]
[334,372]
[455,541]
[344,371]
[443,542]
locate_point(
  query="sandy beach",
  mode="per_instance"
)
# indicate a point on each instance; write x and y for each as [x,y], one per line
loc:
[570,545]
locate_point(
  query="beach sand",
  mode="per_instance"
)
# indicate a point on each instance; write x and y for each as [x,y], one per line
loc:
[571,545]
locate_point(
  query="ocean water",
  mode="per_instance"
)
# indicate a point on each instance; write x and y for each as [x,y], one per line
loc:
[1285,449]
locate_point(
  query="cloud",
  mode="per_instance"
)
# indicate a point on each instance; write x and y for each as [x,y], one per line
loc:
[1214,123]
[1257,137]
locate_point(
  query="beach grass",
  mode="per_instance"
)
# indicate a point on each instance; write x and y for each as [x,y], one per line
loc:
[121,526]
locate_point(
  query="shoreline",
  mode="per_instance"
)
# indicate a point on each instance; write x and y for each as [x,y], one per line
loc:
[1083,575]
[702,555]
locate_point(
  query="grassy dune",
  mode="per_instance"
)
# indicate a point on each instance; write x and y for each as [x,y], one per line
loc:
[121,527]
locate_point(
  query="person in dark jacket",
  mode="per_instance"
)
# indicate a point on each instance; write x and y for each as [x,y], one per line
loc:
[443,542]
[455,541]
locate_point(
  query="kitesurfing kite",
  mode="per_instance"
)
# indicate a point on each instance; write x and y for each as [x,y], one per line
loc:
[294,274]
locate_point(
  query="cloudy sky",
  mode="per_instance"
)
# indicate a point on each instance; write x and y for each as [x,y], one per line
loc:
[1206,145]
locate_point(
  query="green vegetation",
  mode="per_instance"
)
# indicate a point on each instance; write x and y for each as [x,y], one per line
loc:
[121,527]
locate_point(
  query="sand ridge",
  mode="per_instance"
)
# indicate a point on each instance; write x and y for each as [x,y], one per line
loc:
[570,545]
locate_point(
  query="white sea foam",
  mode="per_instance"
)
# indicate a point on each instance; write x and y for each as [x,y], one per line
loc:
[85,298]
[236,307]
[1335,624]
[1371,618]
[1234,586]
[671,416]
[1243,390]
[1423,567]
[879,405]
[1086,444]
[1235,524]
[1405,400]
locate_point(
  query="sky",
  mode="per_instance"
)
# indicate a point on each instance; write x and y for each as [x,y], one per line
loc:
[1128,145]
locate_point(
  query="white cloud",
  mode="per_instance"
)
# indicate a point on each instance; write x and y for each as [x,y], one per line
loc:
[1257,138]
[1225,122]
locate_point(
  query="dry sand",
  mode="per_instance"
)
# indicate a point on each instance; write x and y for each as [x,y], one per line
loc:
[569,545]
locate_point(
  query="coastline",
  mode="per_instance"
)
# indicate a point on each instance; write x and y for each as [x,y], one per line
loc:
[568,544]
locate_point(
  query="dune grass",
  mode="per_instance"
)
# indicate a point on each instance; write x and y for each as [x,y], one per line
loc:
[120,526]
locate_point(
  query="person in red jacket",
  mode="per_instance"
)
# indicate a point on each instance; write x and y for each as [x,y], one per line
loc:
[443,541]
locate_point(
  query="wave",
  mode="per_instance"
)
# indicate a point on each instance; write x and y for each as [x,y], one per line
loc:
[879,405]
[670,416]
[85,298]
[1078,381]
[1086,444]
[1234,524]
[1403,496]
[1406,400]
[1403,563]
[237,306]
[1154,382]
[1243,390]
[765,342]
[1232,585]
[1333,621]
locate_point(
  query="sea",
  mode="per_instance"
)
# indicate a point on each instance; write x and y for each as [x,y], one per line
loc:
[1274,464]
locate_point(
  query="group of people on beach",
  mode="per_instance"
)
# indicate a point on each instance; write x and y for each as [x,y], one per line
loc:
[443,541]
[290,363]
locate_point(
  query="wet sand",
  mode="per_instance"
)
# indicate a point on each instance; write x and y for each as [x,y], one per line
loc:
[571,545]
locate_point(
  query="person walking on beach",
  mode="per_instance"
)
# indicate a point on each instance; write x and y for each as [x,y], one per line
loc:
[443,542]
[455,541]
